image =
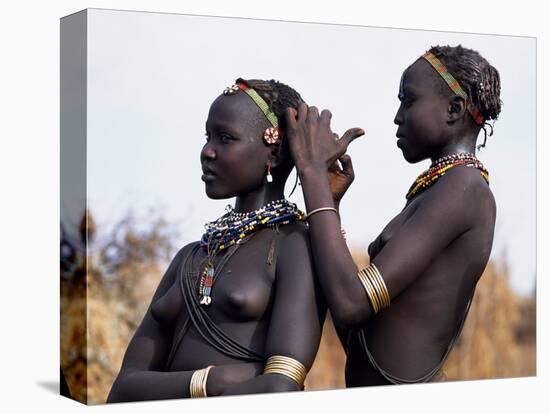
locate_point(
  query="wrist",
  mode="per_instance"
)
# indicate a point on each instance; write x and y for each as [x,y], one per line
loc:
[213,383]
[310,171]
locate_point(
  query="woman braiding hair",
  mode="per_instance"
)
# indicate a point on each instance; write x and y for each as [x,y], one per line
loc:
[399,317]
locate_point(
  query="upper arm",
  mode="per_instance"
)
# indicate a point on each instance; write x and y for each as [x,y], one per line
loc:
[149,347]
[298,309]
[448,210]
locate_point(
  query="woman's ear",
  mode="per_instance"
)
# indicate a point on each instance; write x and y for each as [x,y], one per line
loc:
[274,156]
[276,150]
[456,108]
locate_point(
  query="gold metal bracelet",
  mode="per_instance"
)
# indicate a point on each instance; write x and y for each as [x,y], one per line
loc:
[317,210]
[374,283]
[382,289]
[290,367]
[374,286]
[369,289]
[197,385]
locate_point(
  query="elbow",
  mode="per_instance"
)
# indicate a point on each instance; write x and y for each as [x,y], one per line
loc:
[349,315]
[281,383]
[115,395]
[118,391]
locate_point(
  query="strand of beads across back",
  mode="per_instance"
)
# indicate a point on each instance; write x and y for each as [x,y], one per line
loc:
[236,228]
[438,169]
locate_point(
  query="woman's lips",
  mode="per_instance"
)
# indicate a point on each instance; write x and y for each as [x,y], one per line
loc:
[207,177]
[400,139]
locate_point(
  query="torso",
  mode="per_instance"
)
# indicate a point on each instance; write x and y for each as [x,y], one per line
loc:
[410,337]
[242,297]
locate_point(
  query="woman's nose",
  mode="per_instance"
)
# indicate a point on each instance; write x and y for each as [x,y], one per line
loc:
[208,152]
[398,120]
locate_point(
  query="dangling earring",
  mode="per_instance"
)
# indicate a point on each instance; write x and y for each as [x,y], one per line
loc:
[269,177]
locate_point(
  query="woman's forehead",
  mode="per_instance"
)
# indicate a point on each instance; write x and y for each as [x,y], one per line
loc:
[419,74]
[237,110]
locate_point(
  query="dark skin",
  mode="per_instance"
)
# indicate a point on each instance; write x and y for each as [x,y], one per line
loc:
[430,255]
[273,309]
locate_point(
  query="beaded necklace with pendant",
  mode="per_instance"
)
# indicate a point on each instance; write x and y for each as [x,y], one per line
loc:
[234,229]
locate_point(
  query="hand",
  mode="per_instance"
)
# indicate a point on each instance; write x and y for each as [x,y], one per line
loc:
[340,178]
[223,376]
[311,141]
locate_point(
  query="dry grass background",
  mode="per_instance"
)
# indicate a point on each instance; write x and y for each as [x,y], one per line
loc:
[97,323]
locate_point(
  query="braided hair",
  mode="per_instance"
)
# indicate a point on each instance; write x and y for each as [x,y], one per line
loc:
[475,75]
[278,97]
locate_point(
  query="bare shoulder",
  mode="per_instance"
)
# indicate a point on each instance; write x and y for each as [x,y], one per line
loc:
[294,246]
[171,271]
[466,188]
[295,233]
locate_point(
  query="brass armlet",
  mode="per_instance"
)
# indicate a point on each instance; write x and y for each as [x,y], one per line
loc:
[197,385]
[374,286]
[279,364]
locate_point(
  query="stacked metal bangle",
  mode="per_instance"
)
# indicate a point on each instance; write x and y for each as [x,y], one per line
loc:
[376,289]
[197,385]
[278,364]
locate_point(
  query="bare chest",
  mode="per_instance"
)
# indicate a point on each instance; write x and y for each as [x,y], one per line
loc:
[392,228]
[242,288]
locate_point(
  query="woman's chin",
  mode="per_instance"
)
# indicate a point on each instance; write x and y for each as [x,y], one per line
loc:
[411,158]
[215,194]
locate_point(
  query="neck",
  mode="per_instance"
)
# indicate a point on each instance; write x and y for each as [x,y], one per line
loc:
[258,198]
[466,144]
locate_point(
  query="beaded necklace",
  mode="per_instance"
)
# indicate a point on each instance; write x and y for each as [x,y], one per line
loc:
[233,229]
[439,167]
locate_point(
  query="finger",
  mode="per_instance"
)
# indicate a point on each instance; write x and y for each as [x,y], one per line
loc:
[290,117]
[302,112]
[347,165]
[349,136]
[313,113]
[326,116]
[335,135]
[335,166]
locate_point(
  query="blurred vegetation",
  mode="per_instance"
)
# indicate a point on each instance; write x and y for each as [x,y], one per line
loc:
[101,308]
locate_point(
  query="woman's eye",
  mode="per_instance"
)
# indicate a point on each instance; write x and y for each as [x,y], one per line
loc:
[408,102]
[226,138]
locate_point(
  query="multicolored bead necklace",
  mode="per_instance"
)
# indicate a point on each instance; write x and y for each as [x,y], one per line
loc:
[236,228]
[438,169]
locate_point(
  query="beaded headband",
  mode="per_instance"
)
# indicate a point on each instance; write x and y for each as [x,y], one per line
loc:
[455,86]
[271,135]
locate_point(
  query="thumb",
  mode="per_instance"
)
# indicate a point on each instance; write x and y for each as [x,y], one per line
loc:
[347,165]
[349,136]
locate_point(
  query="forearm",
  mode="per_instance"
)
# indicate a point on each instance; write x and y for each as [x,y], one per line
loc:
[334,264]
[263,384]
[156,385]
[150,385]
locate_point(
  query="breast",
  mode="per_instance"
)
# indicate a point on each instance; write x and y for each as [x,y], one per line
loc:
[166,309]
[392,228]
[243,296]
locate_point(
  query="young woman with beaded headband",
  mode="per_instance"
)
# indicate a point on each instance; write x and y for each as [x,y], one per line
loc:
[399,317]
[238,311]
